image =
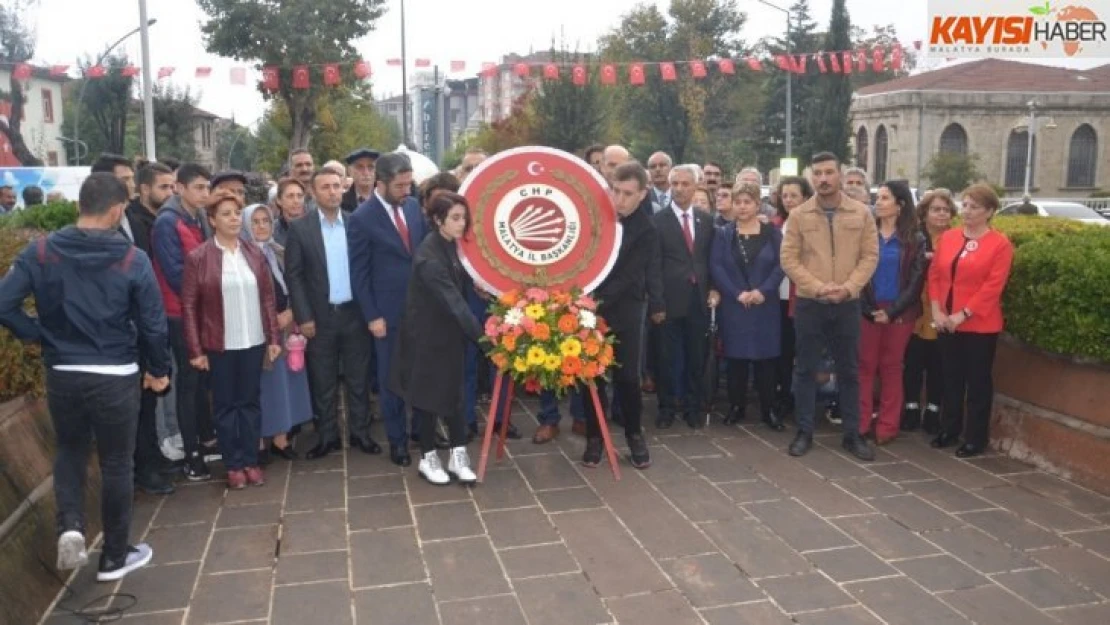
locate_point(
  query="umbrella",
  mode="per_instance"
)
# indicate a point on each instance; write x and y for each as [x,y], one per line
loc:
[712,365]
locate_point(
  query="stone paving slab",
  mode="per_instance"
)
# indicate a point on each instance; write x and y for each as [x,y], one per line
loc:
[724,529]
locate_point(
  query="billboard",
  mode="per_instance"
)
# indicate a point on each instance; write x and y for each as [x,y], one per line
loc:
[66,180]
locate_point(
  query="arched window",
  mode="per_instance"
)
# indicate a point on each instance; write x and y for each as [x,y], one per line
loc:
[1082,153]
[953,140]
[879,173]
[861,147]
[1016,147]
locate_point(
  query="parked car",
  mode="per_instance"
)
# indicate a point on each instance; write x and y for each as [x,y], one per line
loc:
[1064,210]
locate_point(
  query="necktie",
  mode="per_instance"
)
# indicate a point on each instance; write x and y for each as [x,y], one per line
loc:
[687,231]
[402,229]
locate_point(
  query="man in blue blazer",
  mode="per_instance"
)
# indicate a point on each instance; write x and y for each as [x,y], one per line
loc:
[384,234]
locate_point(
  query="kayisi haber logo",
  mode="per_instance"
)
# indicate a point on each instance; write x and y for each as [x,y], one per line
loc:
[1012,28]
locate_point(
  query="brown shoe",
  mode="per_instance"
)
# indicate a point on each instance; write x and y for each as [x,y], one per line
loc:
[579,428]
[545,434]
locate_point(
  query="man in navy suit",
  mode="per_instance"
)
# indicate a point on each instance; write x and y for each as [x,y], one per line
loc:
[384,234]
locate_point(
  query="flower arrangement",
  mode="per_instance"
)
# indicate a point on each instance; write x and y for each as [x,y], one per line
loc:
[548,340]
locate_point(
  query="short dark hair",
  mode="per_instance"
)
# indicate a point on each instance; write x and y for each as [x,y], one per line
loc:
[107,163]
[593,149]
[631,170]
[822,157]
[323,171]
[171,162]
[389,166]
[150,172]
[438,209]
[714,164]
[297,151]
[99,193]
[442,181]
[189,172]
[32,195]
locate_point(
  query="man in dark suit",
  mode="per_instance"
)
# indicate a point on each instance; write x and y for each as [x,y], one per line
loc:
[385,232]
[318,272]
[360,167]
[685,236]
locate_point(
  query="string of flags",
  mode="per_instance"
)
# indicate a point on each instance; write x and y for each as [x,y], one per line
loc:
[877,59]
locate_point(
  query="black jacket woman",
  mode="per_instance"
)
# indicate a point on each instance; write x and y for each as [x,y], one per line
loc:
[435,330]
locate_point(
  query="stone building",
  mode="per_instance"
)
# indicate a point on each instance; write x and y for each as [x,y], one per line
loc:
[983,108]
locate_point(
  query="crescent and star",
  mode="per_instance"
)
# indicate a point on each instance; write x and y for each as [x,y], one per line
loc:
[534,168]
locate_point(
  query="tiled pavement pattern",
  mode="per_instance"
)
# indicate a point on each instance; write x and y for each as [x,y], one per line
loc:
[724,529]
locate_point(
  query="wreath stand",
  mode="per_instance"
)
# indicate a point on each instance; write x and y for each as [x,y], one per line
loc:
[507,409]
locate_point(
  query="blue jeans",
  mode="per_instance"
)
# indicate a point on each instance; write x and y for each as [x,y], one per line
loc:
[549,405]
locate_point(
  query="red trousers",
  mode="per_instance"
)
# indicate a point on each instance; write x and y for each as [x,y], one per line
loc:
[882,349]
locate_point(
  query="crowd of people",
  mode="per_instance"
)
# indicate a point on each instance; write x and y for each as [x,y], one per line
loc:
[191,316]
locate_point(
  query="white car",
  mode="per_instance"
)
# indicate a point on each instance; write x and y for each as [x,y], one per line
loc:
[1064,210]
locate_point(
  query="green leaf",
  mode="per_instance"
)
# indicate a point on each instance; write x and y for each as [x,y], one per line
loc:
[1039,10]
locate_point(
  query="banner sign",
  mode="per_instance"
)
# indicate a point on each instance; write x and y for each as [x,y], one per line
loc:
[1019,29]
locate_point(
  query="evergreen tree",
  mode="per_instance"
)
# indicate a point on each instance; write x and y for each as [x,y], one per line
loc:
[828,124]
[569,116]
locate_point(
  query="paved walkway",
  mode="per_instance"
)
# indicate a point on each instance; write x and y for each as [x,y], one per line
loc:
[724,529]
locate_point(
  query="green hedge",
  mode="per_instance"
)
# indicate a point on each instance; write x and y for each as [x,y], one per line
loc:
[20,364]
[44,217]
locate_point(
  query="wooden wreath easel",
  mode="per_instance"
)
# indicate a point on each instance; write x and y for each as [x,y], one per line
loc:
[487,438]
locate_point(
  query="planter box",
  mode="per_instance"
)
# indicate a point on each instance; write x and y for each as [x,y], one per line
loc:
[1054,412]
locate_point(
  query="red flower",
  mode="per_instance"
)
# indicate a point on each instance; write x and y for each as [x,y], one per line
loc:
[532,385]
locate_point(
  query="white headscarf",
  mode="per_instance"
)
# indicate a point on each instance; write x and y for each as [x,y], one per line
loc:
[269,247]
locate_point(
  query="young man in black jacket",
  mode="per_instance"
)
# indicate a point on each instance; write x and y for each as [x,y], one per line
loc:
[99,312]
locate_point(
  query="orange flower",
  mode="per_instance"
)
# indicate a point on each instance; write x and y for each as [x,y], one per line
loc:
[607,352]
[568,324]
[591,347]
[567,380]
[541,331]
[500,360]
[508,341]
[602,327]
[572,365]
[561,297]
[590,370]
[509,298]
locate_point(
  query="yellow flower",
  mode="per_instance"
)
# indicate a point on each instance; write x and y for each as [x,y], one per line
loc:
[520,364]
[536,356]
[571,347]
[535,311]
[552,362]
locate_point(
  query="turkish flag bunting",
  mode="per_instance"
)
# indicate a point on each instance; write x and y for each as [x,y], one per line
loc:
[551,71]
[847,61]
[165,72]
[362,70]
[238,75]
[331,74]
[522,69]
[754,64]
[896,58]
[22,71]
[821,66]
[878,60]
[783,63]
[697,69]
[579,75]
[489,69]
[204,72]
[59,70]
[667,71]
[300,77]
[636,74]
[96,71]
[129,71]
[726,66]
[458,66]
[423,62]
[798,63]
[608,74]
[834,62]
[861,59]
[271,79]
[393,62]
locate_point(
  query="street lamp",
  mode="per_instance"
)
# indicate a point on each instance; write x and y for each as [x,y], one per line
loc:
[404,82]
[85,82]
[789,82]
[1032,133]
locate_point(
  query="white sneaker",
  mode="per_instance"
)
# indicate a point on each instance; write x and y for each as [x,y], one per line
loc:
[171,450]
[459,466]
[432,470]
[72,552]
[137,557]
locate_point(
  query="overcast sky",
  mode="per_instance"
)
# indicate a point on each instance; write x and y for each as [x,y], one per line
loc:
[442,30]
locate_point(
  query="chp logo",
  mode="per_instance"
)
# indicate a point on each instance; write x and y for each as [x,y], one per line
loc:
[1013,29]
[540,217]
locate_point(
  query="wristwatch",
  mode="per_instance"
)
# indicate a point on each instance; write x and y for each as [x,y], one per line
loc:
[967,313]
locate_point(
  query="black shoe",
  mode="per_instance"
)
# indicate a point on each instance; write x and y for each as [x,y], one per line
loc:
[286,452]
[367,445]
[943,440]
[968,450]
[154,483]
[592,456]
[774,421]
[322,449]
[911,419]
[513,434]
[801,445]
[136,557]
[211,453]
[196,470]
[664,422]
[264,457]
[855,445]
[735,415]
[640,457]
[399,454]
[692,420]
[930,420]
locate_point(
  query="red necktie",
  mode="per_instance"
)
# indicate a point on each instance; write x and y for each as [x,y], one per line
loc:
[402,229]
[687,232]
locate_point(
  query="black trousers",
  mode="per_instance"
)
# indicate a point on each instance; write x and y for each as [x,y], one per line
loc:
[83,407]
[923,368]
[682,359]
[426,423]
[148,455]
[341,338]
[835,328]
[237,399]
[968,360]
[784,364]
[764,370]
[626,385]
[194,411]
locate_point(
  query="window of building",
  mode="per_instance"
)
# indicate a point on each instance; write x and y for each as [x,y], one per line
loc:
[1082,152]
[1016,148]
[47,106]
[206,135]
[953,140]
[881,149]
[861,147]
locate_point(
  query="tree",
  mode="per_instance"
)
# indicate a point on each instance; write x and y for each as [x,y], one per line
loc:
[569,116]
[175,121]
[952,170]
[518,129]
[105,105]
[17,45]
[828,124]
[274,32]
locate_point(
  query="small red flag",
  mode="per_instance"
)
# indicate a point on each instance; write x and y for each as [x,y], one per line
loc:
[636,74]
[204,72]
[165,72]
[522,69]
[458,66]
[129,71]
[861,59]
[331,74]
[754,64]
[798,63]
[579,75]
[300,77]
[847,62]
[667,71]
[22,71]
[783,63]
[726,66]
[697,69]
[96,71]
[608,74]
[393,62]
[551,71]
[423,62]
[896,58]
[878,60]
[271,78]
[362,70]
[59,70]
[489,69]
[821,65]
[238,75]
[834,62]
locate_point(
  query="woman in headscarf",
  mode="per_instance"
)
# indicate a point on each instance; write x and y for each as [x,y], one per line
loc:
[285,398]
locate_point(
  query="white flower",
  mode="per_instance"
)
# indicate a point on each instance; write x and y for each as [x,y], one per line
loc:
[514,316]
[587,319]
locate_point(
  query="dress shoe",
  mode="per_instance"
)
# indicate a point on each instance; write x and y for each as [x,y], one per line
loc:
[858,447]
[591,457]
[911,418]
[367,445]
[802,444]
[968,450]
[943,440]
[664,422]
[692,420]
[154,483]
[930,419]
[579,428]
[774,421]
[545,434]
[399,454]
[735,415]
[513,434]
[286,452]
[322,449]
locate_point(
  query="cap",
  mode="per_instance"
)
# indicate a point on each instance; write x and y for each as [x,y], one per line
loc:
[361,153]
[224,176]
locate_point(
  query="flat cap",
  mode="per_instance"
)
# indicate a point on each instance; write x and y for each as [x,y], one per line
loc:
[361,153]
[224,176]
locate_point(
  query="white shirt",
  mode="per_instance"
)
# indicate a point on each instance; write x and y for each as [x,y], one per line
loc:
[242,308]
[678,212]
[389,211]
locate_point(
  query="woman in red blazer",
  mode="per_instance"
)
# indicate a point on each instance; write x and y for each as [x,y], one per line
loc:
[969,272]
[227,300]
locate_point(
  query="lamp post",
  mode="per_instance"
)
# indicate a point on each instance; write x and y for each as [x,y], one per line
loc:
[85,82]
[404,82]
[148,86]
[789,82]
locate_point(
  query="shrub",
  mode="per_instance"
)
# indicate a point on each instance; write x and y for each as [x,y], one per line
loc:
[44,217]
[21,371]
